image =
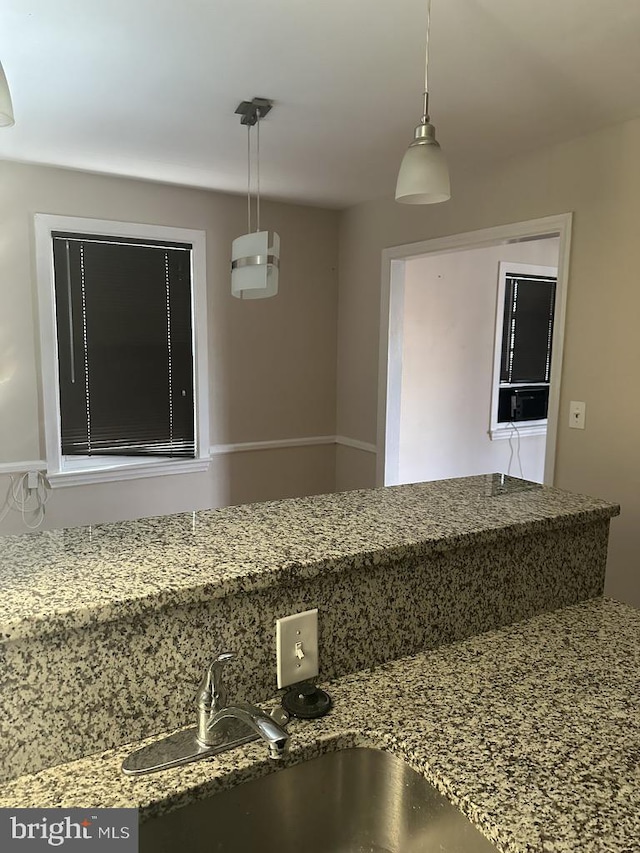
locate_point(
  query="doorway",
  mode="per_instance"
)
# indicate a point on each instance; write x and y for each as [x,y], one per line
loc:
[440,340]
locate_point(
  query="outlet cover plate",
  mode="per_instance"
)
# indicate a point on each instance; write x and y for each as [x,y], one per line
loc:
[301,628]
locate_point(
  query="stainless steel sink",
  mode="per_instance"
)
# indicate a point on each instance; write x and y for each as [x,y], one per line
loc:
[352,801]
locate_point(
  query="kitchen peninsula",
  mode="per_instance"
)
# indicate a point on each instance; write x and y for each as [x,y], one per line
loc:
[119,621]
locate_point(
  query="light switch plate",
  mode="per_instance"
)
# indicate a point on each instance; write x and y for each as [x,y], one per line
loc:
[297,647]
[577,411]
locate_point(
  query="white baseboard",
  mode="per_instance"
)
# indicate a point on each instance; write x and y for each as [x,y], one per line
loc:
[22,467]
[354,442]
[244,446]
[241,447]
[224,449]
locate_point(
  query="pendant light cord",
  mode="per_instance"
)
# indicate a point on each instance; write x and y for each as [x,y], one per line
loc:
[425,117]
[426,48]
[248,179]
[258,173]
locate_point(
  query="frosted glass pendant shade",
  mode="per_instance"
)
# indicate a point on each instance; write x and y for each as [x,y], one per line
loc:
[424,175]
[255,259]
[6,107]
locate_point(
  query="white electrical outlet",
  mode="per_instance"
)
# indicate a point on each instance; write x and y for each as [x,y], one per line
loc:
[577,413]
[297,647]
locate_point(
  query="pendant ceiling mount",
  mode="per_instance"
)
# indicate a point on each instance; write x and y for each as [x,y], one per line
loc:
[252,111]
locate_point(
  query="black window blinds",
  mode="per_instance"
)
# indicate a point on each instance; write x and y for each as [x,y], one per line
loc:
[125,349]
[527,331]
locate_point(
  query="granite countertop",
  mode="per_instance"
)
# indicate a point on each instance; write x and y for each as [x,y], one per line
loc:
[60,579]
[533,731]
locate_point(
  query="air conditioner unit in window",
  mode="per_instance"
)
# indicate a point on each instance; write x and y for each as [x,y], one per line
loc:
[524,403]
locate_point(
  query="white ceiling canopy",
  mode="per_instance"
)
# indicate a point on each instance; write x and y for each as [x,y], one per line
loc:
[148,88]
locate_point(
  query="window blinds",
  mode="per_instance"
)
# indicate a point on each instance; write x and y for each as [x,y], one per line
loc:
[527,332]
[124,346]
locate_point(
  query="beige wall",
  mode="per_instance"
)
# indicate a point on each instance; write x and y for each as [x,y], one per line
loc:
[448,349]
[272,362]
[597,177]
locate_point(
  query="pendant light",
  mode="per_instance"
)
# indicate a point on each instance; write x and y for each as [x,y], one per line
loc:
[424,176]
[6,107]
[255,257]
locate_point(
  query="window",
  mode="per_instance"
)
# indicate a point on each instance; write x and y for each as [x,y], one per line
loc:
[124,360]
[524,339]
[527,329]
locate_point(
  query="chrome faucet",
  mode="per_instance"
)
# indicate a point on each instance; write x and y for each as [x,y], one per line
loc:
[264,726]
[220,727]
[213,710]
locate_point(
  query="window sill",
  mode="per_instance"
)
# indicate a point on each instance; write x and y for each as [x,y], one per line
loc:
[522,429]
[108,469]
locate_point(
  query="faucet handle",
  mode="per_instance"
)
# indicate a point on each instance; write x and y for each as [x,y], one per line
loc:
[212,694]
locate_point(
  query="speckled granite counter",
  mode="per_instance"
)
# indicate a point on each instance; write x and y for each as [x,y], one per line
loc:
[133,612]
[532,730]
[61,579]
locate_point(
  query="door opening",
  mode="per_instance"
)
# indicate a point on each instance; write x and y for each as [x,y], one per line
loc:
[471,352]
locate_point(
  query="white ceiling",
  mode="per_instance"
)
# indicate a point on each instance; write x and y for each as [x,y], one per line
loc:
[148,88]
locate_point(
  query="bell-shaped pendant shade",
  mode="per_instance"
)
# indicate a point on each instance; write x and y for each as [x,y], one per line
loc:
[6,107]
[424,175]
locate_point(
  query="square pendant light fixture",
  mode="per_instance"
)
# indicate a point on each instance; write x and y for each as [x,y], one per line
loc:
[254,265]
[255,256]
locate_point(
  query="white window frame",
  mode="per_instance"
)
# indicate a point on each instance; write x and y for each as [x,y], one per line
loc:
[73,471]
[498,430]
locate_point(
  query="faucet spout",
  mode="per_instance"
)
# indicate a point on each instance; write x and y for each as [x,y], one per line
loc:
[262,724]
